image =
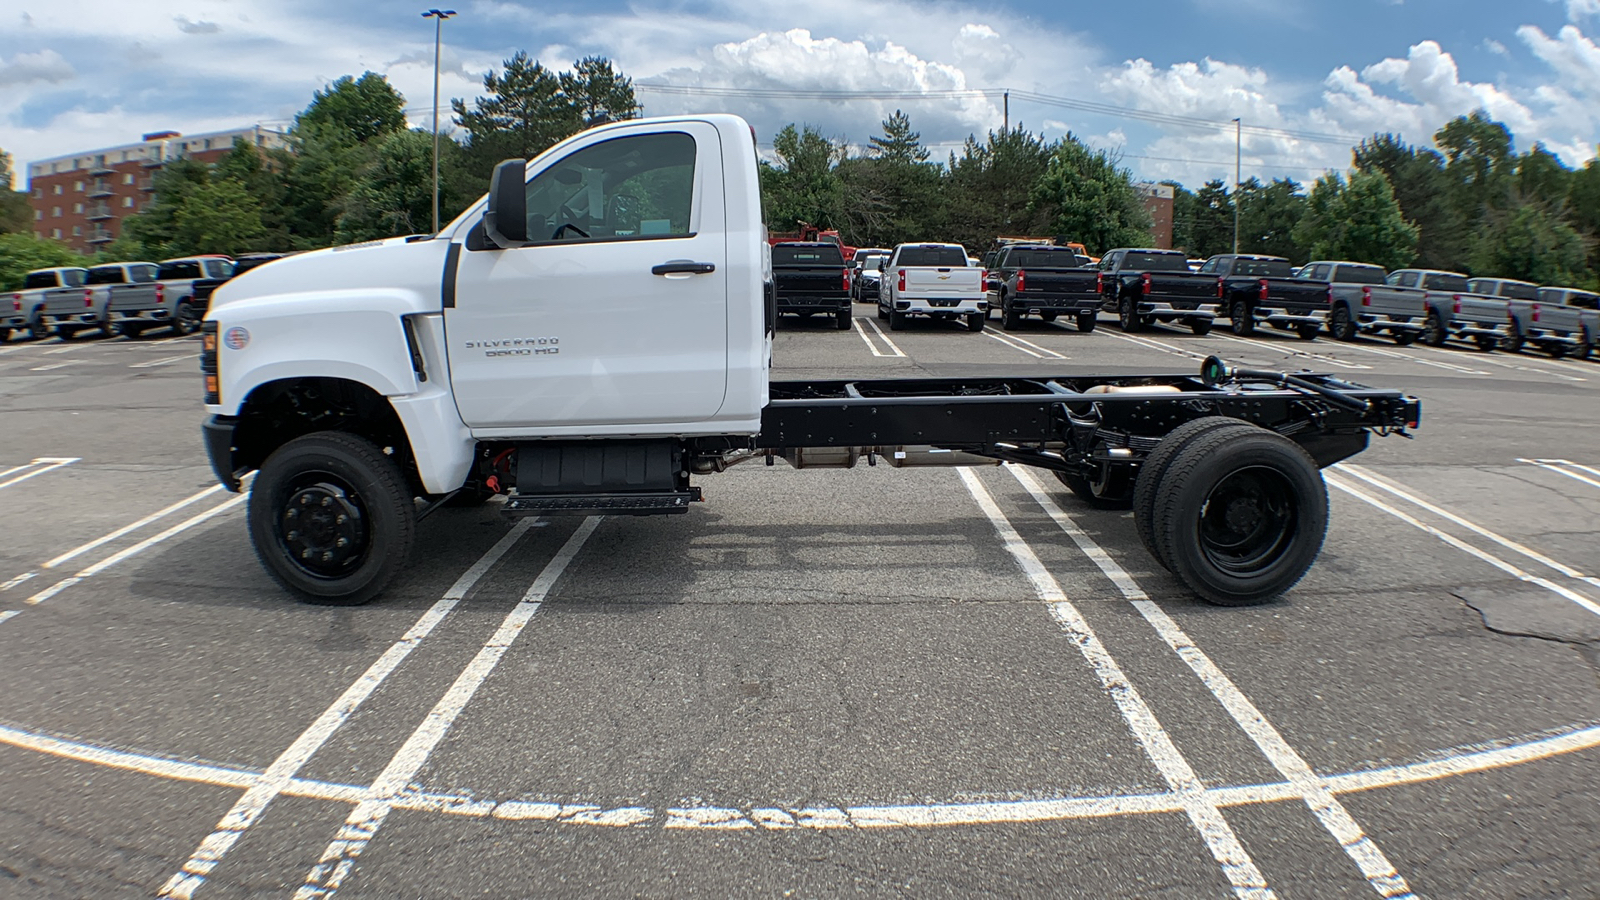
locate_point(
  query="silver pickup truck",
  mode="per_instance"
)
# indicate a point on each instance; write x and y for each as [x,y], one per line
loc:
[1362,301]
[39,287]
[1454,311]
[1556,329]
[1585,303]
[70,313]
[166,302]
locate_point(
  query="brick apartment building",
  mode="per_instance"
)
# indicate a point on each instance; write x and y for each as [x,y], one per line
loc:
[80,199]
[1158,202]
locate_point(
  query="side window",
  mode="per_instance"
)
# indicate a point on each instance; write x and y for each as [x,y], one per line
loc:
[629,187]
[1209,268]
[1316,273]
[1403,279]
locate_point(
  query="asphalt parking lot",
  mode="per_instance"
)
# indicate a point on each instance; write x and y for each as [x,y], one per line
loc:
[922,682]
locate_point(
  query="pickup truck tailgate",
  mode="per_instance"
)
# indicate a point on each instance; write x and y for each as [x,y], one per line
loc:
[1179,286]
[1057,282]
[1296,294]
[927,281]
[65,301]
[793,280]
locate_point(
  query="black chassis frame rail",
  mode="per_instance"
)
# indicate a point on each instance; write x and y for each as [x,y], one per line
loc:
[1052,422]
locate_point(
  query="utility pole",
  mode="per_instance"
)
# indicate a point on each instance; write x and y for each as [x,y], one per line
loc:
[438,16]
[1238,145]
[1007,120]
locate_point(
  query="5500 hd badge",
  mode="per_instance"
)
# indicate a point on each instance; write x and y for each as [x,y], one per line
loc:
[545,346]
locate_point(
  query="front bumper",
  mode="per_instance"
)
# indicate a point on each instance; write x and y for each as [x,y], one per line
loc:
[218,434]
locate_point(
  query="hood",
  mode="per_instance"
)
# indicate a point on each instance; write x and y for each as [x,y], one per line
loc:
[404,263]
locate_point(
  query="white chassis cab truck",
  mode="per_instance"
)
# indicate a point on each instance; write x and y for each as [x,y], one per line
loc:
[596,333]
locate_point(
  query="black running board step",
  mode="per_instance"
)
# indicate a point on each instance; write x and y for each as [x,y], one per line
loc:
[638,503]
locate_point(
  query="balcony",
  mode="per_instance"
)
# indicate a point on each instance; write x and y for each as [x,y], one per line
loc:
[100,211]
[100,167]
[100,189]
[152,162]
[147,184]
[100,236]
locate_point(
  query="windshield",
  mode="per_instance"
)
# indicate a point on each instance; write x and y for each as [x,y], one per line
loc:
[869,260]
[942,257]
[1266,268]
[1517,290]
[806,256]
[186,268]
[1358,274]
[1060,258]
[1156,262]
[1566,297]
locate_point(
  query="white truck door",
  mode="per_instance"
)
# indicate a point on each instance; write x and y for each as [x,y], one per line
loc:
[617,313]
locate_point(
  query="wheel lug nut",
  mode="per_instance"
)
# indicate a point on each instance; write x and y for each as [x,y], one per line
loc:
[293,535]
[327,501]
[327,555]
[304,500]
[340,520]
[292,514]
[341,543]
[306,553]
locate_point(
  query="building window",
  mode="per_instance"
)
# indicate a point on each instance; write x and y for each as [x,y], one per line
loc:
[77,209]
[55,233]
[58,190]
[127,179]
[77,186]
[127,203]
[38,214]
[38,193]
[77,231]
[55,212]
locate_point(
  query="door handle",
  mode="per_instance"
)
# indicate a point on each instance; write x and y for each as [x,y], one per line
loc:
[683,267]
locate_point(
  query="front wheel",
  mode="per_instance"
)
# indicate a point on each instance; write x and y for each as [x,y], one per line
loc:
[36,331]
[186,318]
[975,322]
[1240,515]
[1343,325]
[1585,346]
[1110,488]
[1514,341]
[331,518]
[1087,322]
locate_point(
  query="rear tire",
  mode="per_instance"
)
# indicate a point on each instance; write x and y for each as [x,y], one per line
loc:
[1155,466]
[844,320]
[1113,490]
[1585,347]
[1514,341]
[1087,322]
[1200,327]
[975,321]
[1240,320]
[1241,516]
[1128,316]
[331,518]
[35,332]
[1010,319]
[897,320]
[1342,325]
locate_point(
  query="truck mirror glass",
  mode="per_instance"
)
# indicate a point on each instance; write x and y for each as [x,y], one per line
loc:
[506,220]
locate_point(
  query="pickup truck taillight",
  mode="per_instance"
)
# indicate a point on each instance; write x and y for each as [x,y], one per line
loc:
[1366,294]
[1262,293]
[1022,280]
[16,303]
[1100,282]
[1144,283]
[1457,307]
[846,284]
[161,292]
[1220,288]
[902,279]
[1536,312]
[88,299]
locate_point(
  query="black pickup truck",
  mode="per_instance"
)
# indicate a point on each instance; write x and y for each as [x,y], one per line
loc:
[1144,286]
[1044,280]
[1262,290]
[811,277]
[204,288]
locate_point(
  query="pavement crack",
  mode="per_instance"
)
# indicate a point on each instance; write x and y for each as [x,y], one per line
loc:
[1483,616]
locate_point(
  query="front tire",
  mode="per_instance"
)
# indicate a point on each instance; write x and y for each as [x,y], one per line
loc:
[36,332]
[1241,515]
[1514,341]
[186,318]
[1112,487]
[331,518]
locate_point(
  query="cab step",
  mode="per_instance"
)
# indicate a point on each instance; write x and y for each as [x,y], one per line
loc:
[625,503]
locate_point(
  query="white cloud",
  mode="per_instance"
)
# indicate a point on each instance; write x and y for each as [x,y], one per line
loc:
[188,27]
[1495,47]
[42,66]
[1574,57]
[1577,9]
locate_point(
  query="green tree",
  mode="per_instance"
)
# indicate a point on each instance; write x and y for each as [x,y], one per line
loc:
[988,187]
[1583,208]
[354,110]
[393,195]
[1357,220]
[1183,216]
[220,216]
[1085,196]
[1532,244]
[21,252]
[1542,178]
[525,112]
[154,231]
[1268,215]
[803,186]
[1211,223]
[595,88]
[1417,176]
[898,144]
[897,179]
[15,214]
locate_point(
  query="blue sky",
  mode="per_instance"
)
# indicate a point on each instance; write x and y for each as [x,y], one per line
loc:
[96,73]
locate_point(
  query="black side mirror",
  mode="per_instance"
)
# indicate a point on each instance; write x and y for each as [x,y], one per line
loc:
[506,220]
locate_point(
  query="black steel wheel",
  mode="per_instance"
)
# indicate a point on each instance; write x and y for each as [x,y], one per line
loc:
[1128,316]
[1110,488]
[186,318]
[1155,466]
[331,518]
[1433,333]
[1087,322]
[1010,319]
[1241,321]
[1342,325]
[1240,516]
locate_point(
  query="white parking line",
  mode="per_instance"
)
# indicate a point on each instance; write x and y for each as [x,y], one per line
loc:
[1391,486]
[135,550]
[1374,866]
[1463,546]
[1148,343]
[164,361]
[25,576]
[1180,777]
[364,821]
[1391,354]
[67,349]
[59,365]
[1292,351]
[1564,467]
[870,345]
[8,614]
[1028,347]
[49,464]
[276,778]
[872,323]
[1490,360]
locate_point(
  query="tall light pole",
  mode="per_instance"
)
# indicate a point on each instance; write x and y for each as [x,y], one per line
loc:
[438,16]
[1238,145]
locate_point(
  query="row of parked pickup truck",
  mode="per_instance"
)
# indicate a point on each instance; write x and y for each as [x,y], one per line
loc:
[124,298]
[1143,287]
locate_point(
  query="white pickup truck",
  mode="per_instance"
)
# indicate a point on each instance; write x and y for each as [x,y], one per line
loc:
[597,332]
[934,280]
